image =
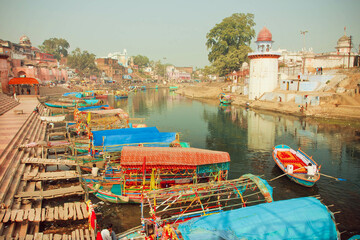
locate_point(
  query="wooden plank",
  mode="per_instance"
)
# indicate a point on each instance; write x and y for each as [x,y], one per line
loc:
[77,232]
[74,209]
[57,237]
[51,214]
[2,214]
[53,193]
[65,237]
[7,216]
[73,236]
[82,234]
[71,210]
[19,216]
[13,215]
[51,236]
[92,232]
[78,211]
[43,214]
[87,234]
[45,161]
[37,215]
[26,214]
[61,213]
[38,236]
[31,216]
[29,237]
[84,210]
[46,237]
[56,213]
[2,237]
[66,210]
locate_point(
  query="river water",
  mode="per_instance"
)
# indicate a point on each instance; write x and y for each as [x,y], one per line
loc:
[249,136]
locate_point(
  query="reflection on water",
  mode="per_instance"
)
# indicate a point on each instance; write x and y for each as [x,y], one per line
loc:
[249,137]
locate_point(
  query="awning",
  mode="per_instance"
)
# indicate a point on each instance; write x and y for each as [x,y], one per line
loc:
[25,80]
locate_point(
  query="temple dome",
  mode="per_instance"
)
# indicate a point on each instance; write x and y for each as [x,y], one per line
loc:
[264,35]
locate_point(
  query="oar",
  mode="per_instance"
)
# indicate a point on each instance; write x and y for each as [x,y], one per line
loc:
[284,174]
[337,179]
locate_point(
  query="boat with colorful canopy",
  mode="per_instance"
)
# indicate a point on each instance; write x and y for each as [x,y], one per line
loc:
[143,169]
[297,165]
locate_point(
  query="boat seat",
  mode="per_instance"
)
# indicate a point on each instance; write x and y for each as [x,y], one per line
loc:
[286,156]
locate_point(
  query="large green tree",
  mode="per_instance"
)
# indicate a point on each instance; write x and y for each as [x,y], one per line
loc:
[141,61]
[229,42]
[55,46]
[84,62]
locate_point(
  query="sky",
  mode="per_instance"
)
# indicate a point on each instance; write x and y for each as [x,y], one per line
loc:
[175,31]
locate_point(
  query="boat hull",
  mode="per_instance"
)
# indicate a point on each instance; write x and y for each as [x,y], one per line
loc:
[300,179]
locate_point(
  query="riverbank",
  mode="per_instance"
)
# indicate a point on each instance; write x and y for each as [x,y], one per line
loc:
[327,108]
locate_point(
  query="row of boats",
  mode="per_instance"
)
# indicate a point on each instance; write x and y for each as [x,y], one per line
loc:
[185,192]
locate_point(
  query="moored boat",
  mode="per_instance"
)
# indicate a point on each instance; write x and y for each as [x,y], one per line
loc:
[143,169]
[225,98]
[59,105]
[297,165]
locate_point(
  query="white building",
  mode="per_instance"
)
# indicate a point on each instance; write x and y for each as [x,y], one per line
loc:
[263,66]
[121,57]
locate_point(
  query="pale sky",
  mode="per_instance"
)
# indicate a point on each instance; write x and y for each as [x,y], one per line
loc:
[175,30]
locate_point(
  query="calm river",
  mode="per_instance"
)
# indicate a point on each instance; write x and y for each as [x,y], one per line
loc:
[249,136]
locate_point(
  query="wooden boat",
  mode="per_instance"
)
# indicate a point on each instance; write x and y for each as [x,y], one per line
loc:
[178,204]
[225,98]
[59,105]
[173,88]
[57,118]
[297,165]
[121,94]
[143,169]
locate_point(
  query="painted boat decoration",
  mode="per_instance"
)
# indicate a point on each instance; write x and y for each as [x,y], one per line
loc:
[225,98]
[59,105]
[297,165]
[57,118]
[143,169]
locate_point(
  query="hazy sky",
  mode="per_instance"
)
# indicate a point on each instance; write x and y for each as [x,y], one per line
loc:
[173,29]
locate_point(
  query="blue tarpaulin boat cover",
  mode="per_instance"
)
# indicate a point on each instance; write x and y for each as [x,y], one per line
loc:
[131,137]
[92,108]
[75,94]
[301,218]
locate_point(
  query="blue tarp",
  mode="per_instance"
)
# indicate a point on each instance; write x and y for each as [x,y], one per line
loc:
[115,139]
[76,94]
[92,108]
[98,135]
[301,218]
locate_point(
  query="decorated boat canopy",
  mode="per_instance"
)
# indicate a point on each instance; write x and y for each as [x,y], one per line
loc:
[160,156]
[301,218]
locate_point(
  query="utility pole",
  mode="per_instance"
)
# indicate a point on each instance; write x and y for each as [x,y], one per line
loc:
[349,52]
[303,58]
[303,33]
[164,68]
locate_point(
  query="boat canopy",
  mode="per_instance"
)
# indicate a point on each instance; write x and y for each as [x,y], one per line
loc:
[115,139]
[75,94]
[300,218]
[158,156]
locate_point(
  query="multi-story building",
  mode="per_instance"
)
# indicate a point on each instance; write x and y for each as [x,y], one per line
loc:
[110,68]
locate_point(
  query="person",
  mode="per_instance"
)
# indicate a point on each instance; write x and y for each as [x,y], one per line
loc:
[94,170]
[36,110]
[22,91]
[107,233]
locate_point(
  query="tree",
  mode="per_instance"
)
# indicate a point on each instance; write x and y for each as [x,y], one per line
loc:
[141,61]
[229,42]
[84,62]
[56,47]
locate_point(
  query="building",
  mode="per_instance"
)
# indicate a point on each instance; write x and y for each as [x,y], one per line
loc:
[122,58]
[110,68]
[23,60]
[263,66]
[178,73]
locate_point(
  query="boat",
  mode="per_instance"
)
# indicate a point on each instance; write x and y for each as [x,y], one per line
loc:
[225,98]
[175,205]
[59,105]
[143,169]
[121,94]
[297,165]
[173,88]
[57,118]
